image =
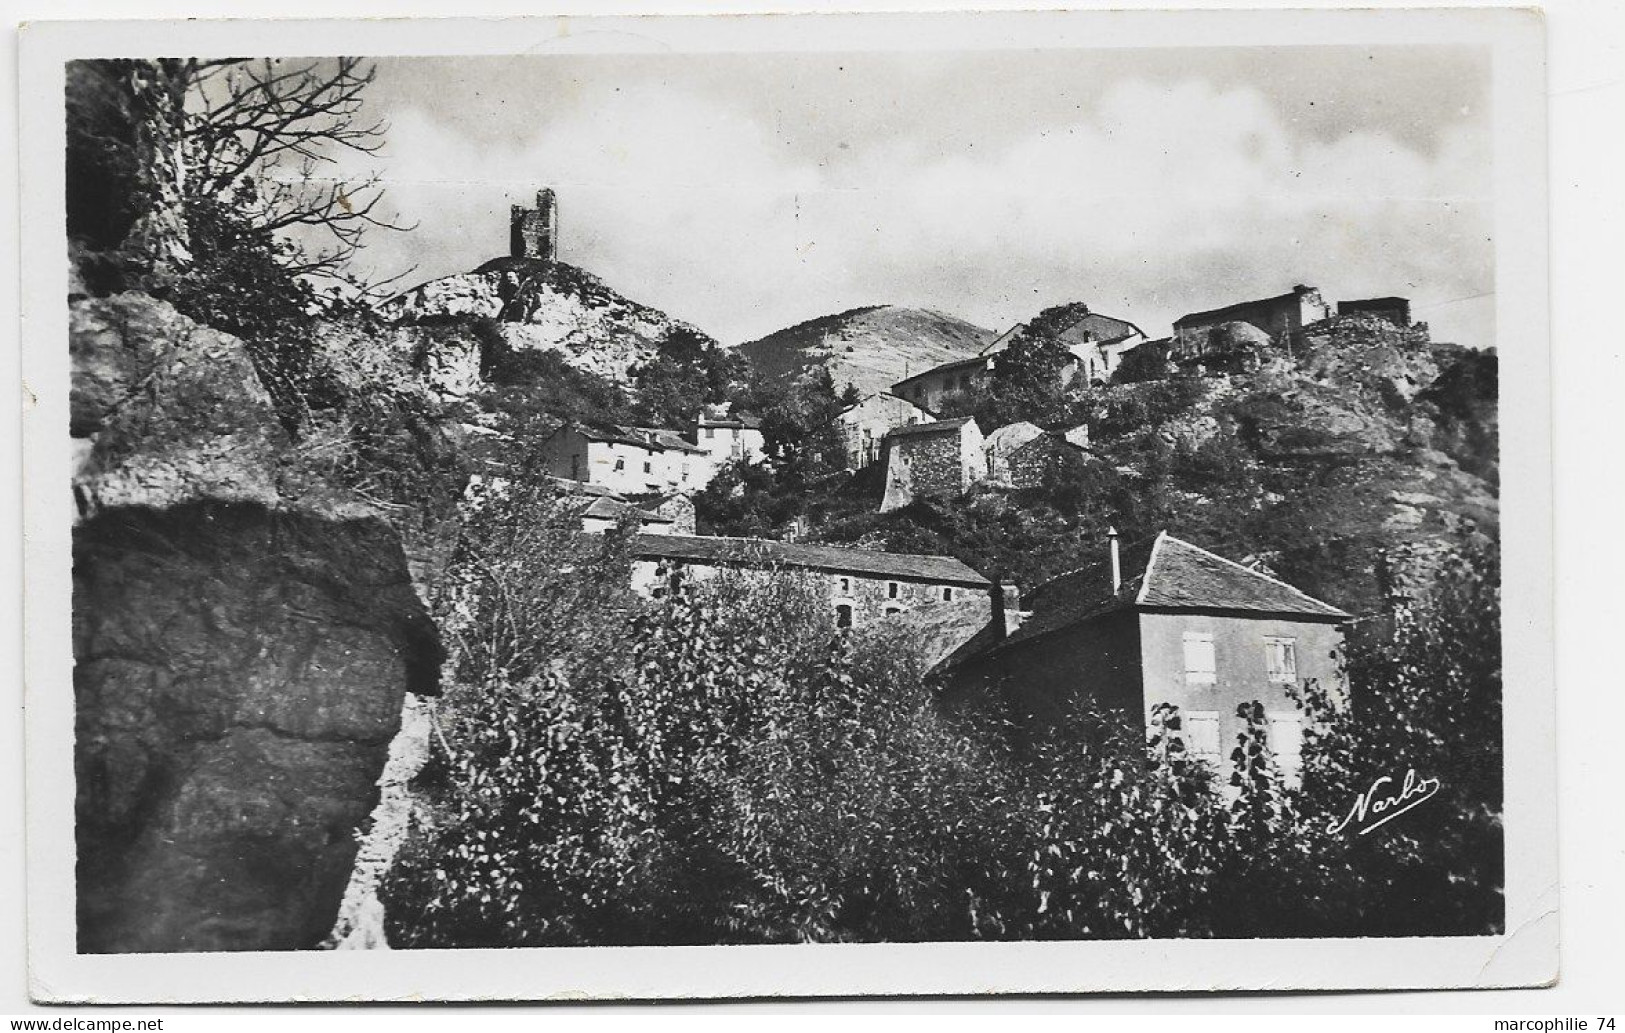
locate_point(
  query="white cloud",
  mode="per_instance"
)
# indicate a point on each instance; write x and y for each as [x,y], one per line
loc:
[1161,199]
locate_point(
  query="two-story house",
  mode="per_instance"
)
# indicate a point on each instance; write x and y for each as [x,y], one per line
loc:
[1173,623]
[727,436]
[627,460]
[1096,342]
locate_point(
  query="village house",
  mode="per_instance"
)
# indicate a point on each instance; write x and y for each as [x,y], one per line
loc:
[726,436]
[628,460]
[862,585]
[1020,455]
[865,424]
[602,513]
[942,458]
[1097,343]
[1281,318]
[1396,310]
[930,389]
[1170,624]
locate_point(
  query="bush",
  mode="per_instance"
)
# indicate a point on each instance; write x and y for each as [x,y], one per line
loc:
[719,766]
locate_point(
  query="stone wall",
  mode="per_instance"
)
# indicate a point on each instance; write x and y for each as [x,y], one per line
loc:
[918,465]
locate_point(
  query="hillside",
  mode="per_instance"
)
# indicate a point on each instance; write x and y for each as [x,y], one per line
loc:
[544,306]
[1346,466]
[870,348]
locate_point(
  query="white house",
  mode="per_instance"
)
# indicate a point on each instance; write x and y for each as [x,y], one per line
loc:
[628,460]
[727,436]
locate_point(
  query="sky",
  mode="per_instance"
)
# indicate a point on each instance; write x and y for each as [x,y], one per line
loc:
[745,193]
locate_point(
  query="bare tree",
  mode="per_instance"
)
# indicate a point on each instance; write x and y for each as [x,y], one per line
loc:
[261,133]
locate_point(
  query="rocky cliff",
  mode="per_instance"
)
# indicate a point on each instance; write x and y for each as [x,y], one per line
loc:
[536,306]
[246,634]
[870,348]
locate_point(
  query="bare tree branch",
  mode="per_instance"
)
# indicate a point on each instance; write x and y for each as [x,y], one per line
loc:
[258,131]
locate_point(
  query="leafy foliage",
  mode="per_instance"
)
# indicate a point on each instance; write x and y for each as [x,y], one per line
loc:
[688,370]
[719,766]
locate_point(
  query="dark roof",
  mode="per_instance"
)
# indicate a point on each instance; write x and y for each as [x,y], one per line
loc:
[1169,574]
[1182,576]
[612,509]
[1094,327]
[1238,311]
[1376,301]
[946,367]
[651,438]
[764,552]
[940,426]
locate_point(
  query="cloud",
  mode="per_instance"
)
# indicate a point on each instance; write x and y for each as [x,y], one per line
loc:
[1162,197]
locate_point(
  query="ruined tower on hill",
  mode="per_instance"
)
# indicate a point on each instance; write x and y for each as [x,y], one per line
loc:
[534,232]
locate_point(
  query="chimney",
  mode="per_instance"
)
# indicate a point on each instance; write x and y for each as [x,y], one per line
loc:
[1117,563]
[1006,609]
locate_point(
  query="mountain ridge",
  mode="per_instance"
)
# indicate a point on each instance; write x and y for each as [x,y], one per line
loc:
[870,347]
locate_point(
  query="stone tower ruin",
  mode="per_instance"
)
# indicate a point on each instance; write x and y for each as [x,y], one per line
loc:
[534,232]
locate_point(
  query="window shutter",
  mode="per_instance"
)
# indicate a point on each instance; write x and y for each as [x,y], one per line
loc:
[1200,668]
[1281,659]
[1286,742]
[1201,730]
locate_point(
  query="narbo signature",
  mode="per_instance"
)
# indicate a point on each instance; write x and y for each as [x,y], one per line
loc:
[1387,801]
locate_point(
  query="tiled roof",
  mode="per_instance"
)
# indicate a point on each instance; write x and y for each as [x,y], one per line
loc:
[946,367]
[652,438]
[1183,576]
[764,552]
[611,509]
[1167,573]
[1238,310]
[1093,327]
[939,427]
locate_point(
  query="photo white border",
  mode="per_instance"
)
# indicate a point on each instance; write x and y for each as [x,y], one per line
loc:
[1526,955]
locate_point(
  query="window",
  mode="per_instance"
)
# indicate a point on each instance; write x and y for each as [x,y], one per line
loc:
[947,594]
[843,615]
[1286,743]
[1201,728]
[892,590]
[648,467]
[890,610]
[710,432]
[1199,666]
[620,464]
[1281,659]
[846,585]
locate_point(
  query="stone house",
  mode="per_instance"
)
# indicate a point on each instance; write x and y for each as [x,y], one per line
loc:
[943,458]
[1170,624]
[628,460]
[1282,318]
[862,585]
[727,436]
[604,512]
[931,389]
[1396,310]
[1096,341]
[865,424]
[1020,455]
[676,508]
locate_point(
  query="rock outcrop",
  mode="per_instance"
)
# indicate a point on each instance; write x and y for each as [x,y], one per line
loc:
[245,638]
[537,305]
